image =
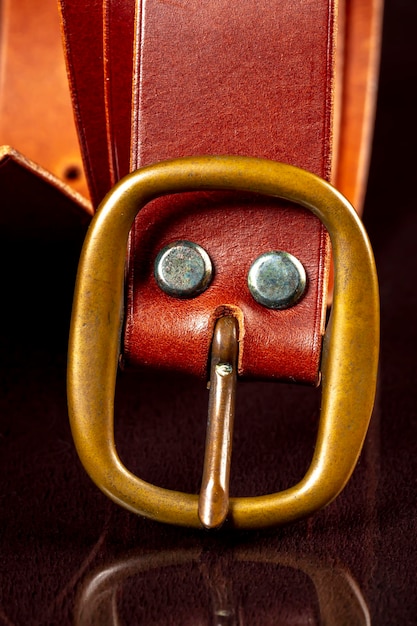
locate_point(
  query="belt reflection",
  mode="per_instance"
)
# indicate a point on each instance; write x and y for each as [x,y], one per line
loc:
[244,586]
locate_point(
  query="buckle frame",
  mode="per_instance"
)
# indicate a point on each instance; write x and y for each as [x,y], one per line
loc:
[350,347]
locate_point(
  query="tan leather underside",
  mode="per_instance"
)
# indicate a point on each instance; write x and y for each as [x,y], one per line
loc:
[36,115]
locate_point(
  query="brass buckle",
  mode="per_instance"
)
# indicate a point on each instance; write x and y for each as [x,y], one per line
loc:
[350,349]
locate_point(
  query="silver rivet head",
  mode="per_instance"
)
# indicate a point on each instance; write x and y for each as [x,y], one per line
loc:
[183,269]
[277,279]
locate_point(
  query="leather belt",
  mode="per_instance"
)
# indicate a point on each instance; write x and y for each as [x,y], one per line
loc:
[227,79]
[252,80]
[223,80]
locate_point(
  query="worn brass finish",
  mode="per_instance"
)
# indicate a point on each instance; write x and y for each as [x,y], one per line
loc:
[350,351]
[213,505]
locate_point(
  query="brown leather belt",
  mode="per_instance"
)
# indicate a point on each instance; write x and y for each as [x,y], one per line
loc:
[259,80]
[248,80]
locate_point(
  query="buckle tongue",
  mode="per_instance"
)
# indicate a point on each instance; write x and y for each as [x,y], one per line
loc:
[213,504]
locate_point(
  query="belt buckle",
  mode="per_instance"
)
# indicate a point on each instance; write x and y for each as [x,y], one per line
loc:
[349,357]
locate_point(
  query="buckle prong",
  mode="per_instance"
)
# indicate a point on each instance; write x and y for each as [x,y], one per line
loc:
[213,503]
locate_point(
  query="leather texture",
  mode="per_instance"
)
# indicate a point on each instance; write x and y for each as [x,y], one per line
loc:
[58,532]
[82,25]
[253,79]
[357,70]
[244,79]
[36,116]
[247,79]
[42,181]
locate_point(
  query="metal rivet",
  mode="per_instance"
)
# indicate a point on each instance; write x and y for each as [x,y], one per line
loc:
[183,269]
[277,279]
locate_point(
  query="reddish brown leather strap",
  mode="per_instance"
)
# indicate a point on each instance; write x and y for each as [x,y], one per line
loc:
[82,24]
[213,78]
[231,79]
[35,106]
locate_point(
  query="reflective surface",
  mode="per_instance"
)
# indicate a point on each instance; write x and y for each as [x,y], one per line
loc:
[58,533]
[325,594]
